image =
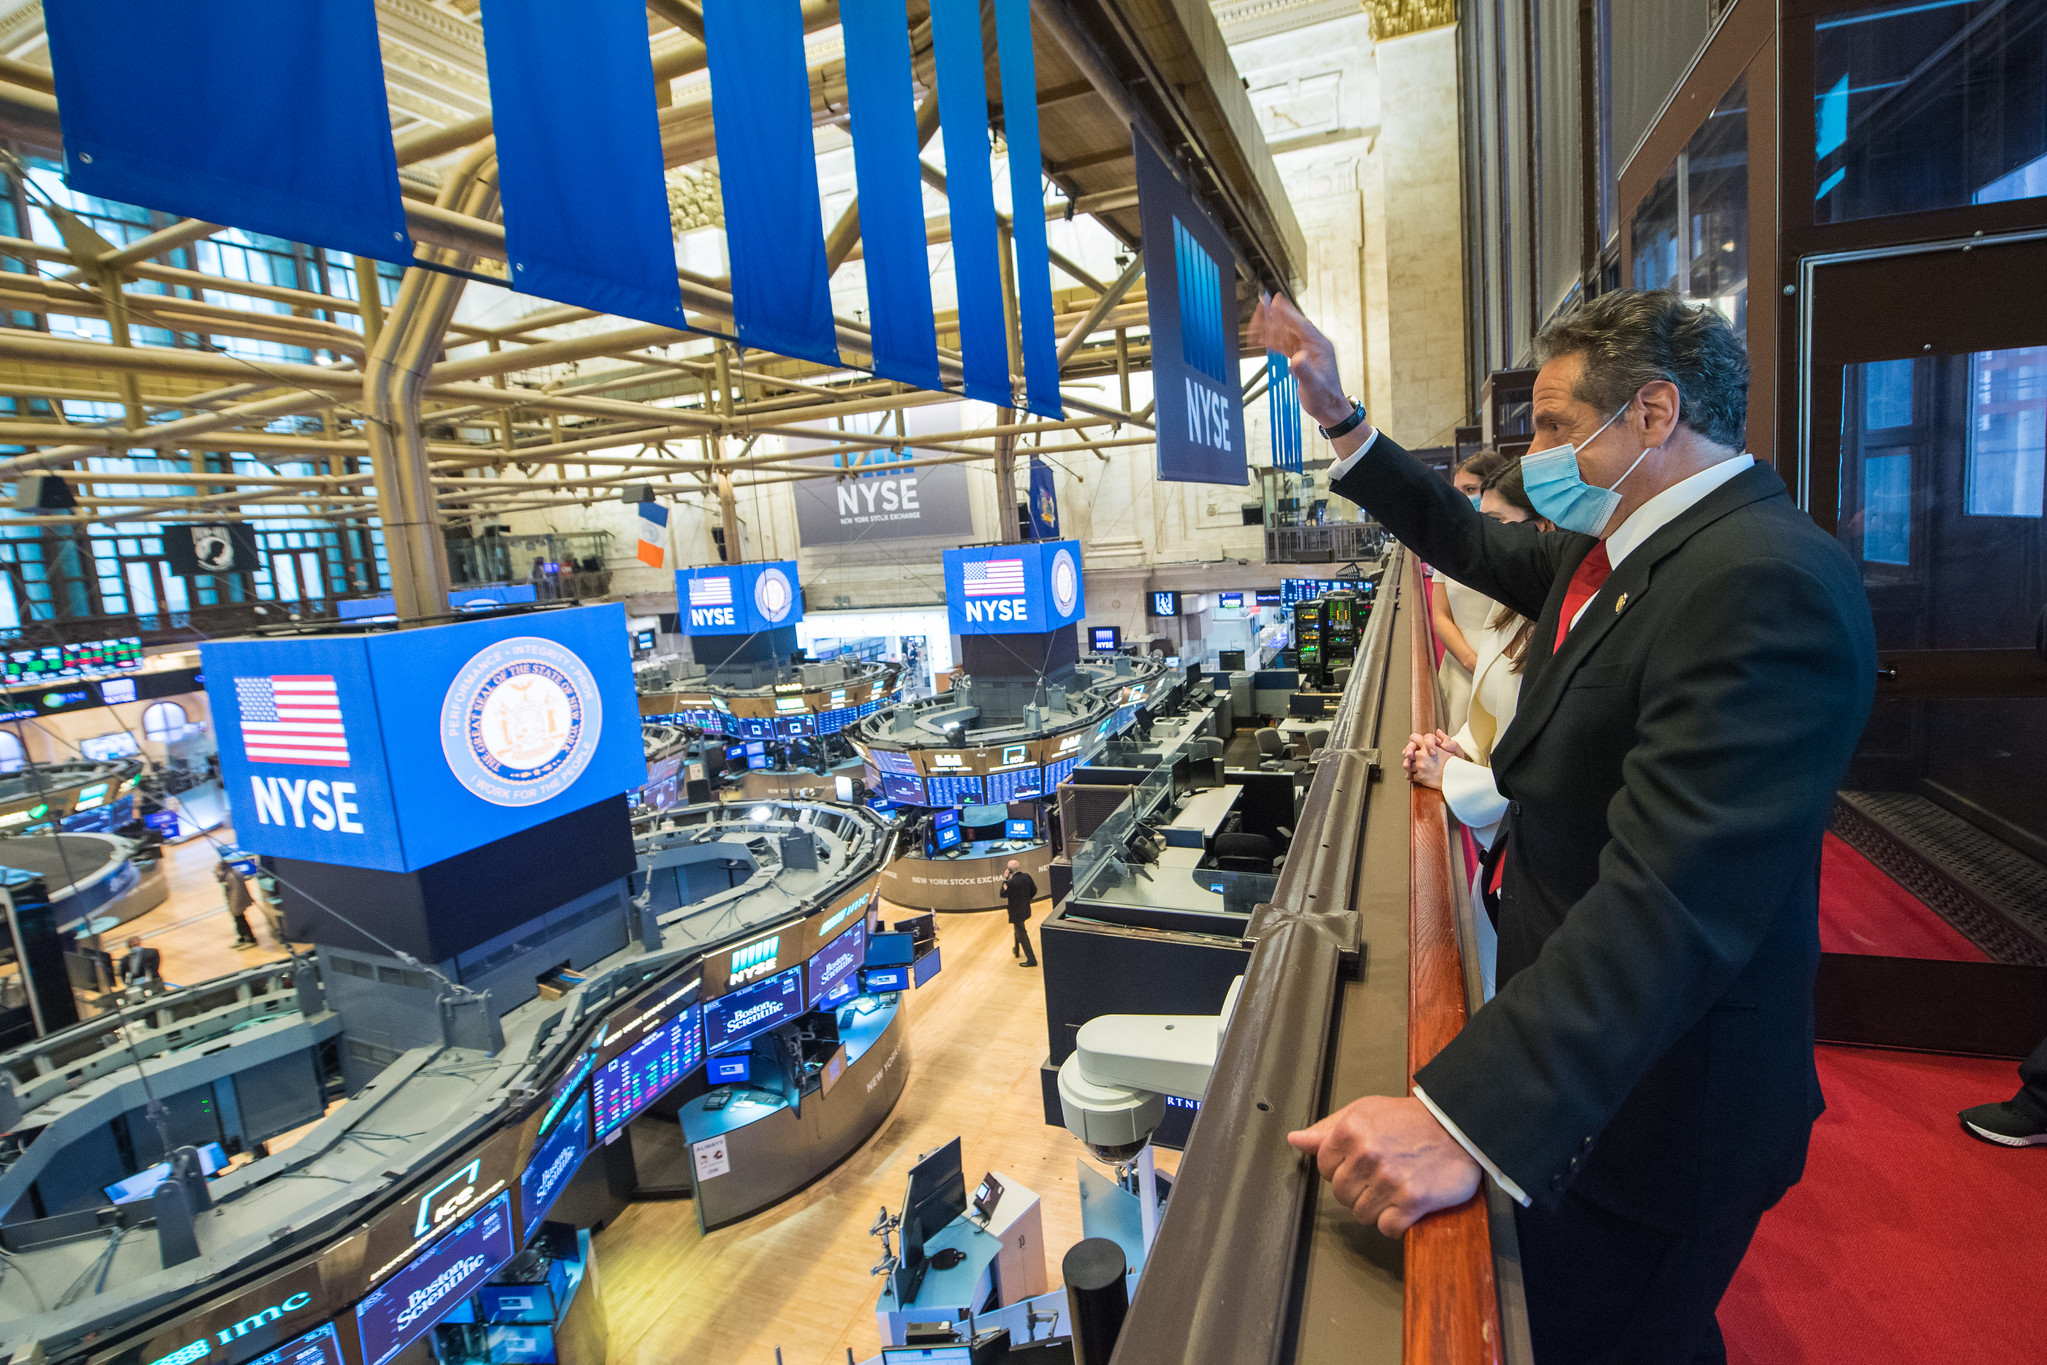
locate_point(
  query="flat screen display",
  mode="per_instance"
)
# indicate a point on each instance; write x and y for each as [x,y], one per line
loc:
[1019,829]
[644,639]
[907,790]
[954,790]
[515,1344]
[945,819]
[756,747]
[143,1184]
[945,837]
[835,966]
[1232,600]
[637,1077]
[553,1164]
[754,760]
[735,753]
[733,1018]
[1165,604]
[879,980]
[891,950]
[734,1070]
[321,1346]
[1018,784]
[401,1310]
[1105,639]
[893,761]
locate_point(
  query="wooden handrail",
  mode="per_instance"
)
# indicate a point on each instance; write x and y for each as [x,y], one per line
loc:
[1452,1308]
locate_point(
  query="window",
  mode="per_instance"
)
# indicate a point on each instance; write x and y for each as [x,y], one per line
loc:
[13,758]
[1690,233]
[163,721]
[1928,104]
[1887,508]
[2007,432]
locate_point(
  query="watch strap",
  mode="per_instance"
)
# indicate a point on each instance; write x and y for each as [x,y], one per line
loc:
[1348,424]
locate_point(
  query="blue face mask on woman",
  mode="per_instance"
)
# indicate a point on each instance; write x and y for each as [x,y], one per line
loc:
[1560,492]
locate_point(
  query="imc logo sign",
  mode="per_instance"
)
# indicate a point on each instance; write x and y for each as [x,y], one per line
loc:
[1202,345]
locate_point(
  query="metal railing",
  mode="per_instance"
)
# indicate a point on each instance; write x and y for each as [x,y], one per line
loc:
[1337,543]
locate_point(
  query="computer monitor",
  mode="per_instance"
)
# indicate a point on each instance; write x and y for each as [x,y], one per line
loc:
[1229,660]
[735,1069]
[945,819]
[1020,829]
[934,1195]
[1105,639]
[756,760]
[1307,706]
[143,1184]
[891,950]
[945,837]
[644,640]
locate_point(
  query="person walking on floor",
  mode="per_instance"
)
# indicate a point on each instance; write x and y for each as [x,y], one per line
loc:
[1019,890]
[235,888]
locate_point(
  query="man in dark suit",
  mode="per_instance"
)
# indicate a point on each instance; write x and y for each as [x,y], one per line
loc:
[1019,891]
[1702,664]
[140,966]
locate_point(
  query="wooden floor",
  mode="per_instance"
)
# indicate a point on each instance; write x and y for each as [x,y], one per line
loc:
[191,929]
[796,1276]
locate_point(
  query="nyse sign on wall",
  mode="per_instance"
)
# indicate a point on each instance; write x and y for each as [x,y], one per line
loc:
[883,499]
[398,749]
[1023,589]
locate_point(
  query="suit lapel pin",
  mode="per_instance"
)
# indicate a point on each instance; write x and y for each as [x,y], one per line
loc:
[1619,602]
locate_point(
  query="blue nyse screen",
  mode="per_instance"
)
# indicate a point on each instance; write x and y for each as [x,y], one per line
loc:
[1026,589]
[640,1075]
[321,1346]
[757,1008]
[400,749]
[738,599]
[553,1162]
[399,1311]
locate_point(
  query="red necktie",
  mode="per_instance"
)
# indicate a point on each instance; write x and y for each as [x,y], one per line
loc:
[1593,571]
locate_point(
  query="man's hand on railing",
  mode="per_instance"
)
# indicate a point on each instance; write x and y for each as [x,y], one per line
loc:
[1390,1161]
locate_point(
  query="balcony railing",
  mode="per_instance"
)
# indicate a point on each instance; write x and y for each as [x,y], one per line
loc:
[1333,543]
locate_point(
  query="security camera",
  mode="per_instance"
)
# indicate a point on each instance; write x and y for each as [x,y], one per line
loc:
[1113,1089]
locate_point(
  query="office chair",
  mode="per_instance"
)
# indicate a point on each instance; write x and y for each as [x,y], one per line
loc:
[1318,736]
[1243,853]
[1272,753]
[1208,746]
[1340,675]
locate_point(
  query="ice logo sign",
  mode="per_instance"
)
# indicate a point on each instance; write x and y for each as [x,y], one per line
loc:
[521,721]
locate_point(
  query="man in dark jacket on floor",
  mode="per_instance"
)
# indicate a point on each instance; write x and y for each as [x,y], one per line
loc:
[1019,890]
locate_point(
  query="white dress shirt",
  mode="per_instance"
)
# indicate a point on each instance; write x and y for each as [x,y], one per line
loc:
[1645,521]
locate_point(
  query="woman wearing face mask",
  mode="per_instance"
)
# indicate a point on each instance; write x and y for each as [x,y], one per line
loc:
[1459,613]
[1458,766]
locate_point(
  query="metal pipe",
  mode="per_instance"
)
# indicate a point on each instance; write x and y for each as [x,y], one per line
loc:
[1113,295]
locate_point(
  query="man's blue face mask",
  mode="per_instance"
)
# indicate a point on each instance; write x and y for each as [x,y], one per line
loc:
[1560,492]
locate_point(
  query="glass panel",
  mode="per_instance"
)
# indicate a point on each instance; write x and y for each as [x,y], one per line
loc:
[285,575]
[1929,104]
[2007,432]
[1690,233]
[142,585]
[1941,496]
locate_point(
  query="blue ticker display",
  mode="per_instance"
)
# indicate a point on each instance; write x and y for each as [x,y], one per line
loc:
[1017,784]
[321,1346]
[1055,773]
[955,789]
[552,1164]
[637,1077]
[399,1311]
[893,761]
[736,1017]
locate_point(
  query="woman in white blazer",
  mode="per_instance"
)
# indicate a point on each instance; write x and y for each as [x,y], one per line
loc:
[1458,613]
[1460,765]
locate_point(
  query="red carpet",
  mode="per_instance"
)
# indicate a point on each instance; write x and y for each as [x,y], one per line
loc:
[1908,1240]
[1864,911]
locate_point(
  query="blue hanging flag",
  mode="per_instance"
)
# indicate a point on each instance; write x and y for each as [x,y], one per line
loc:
[767,166]
[1027,203]
[579,156]
[1283,412]
[1044,502]
[970,196]
[263,116]
[879,94]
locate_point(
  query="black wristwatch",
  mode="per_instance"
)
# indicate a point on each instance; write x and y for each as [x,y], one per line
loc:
[1348,424]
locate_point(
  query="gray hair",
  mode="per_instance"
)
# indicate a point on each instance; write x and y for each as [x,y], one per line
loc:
[1632,337]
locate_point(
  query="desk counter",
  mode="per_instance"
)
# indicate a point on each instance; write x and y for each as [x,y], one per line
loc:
[967,878]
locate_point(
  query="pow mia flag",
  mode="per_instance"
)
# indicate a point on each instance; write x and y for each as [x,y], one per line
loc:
[226,548]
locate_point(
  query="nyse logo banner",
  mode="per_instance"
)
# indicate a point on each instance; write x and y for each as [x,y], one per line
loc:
[1195,366]
[879,497]
[738,599]
[1022,589]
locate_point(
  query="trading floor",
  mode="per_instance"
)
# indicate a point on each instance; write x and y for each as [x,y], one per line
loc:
[794,1277]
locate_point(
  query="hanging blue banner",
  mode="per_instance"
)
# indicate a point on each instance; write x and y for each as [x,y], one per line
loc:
[1027,205]
[267,117]
[579,156]
[767,167]
[879,94]
[1044,502]
[1191,270]
[970,196]
[1283,412]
